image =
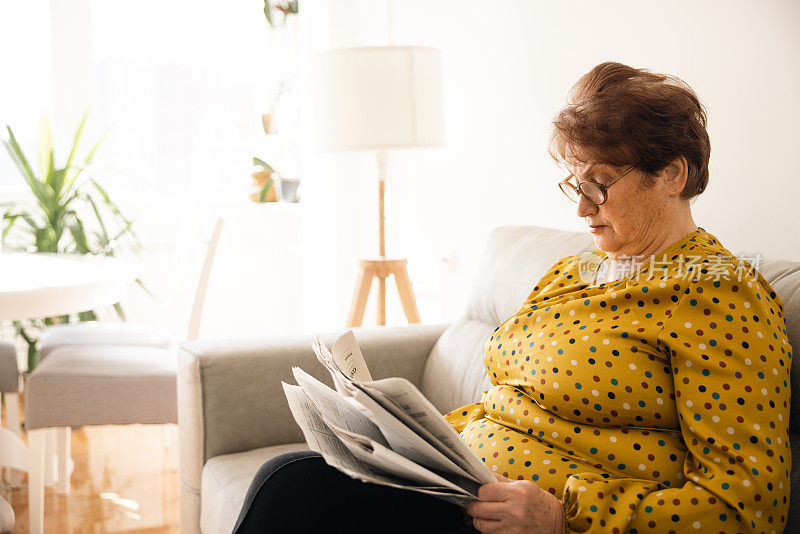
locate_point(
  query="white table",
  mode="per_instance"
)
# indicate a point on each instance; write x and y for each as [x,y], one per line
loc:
[48,285]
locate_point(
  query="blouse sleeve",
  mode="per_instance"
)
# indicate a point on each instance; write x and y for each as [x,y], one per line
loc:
[730,360]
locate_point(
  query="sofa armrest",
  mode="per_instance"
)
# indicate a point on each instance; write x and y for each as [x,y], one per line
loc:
[230,397]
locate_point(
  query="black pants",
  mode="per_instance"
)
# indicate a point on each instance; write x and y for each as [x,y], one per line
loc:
[298,492]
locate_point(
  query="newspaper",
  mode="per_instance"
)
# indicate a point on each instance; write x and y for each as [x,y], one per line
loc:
[382,431]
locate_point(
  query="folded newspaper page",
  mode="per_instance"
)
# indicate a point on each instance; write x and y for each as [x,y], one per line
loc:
[403,402]
[382,431]
[324,440]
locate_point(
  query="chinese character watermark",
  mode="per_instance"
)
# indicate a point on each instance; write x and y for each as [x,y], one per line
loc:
[689,267]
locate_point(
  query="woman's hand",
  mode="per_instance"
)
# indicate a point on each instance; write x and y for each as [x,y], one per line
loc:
[516,507]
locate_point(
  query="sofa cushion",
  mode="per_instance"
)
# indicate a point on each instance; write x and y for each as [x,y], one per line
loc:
[784,277]
[450,382]
[97,333]
[225,481]
[516,257]
[793,521]
[9,373]
[102,385]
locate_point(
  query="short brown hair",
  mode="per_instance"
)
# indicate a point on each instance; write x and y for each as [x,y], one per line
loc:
[620,115]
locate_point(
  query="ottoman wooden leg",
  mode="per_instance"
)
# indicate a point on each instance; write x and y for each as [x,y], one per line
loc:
[37,445]
[50,458]
[63,442]
[12,413]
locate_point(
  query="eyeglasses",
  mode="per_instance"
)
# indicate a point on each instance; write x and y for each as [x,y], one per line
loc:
[594,192]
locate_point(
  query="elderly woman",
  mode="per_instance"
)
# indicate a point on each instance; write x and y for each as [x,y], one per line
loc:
[642,387]
[651,394]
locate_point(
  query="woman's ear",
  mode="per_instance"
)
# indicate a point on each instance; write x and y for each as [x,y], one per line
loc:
[675,175]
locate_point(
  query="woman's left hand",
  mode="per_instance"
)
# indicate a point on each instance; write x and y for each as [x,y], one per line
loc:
[516,507]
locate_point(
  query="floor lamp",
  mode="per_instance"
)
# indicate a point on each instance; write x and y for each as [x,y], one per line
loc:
[378,99]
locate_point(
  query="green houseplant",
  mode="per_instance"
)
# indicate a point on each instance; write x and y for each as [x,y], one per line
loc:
[71,214]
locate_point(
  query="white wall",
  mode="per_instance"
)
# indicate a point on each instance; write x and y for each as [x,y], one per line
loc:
[508,66]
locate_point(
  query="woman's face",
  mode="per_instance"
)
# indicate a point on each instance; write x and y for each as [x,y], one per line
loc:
[631,218]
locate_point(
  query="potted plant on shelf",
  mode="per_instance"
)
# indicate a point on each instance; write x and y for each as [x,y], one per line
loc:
[287,9]
[72,214]
[262,189]
[270,121]
[281,17]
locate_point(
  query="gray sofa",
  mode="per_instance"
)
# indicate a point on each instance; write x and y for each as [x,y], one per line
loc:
[233,415]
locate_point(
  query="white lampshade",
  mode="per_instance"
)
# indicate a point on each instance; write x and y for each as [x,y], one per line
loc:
[378,98]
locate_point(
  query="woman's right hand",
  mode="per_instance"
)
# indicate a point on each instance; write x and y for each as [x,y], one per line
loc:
[516,507]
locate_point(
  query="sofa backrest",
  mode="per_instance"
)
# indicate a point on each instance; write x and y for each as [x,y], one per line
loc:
[784,277]
[516,257]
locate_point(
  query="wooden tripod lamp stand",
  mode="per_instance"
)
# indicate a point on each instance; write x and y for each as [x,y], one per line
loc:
[379,98]
[380,268]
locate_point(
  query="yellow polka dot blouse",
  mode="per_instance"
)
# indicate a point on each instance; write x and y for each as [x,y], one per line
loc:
[655,403]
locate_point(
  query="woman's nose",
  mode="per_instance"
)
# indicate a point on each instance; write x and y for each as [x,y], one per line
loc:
[585,207]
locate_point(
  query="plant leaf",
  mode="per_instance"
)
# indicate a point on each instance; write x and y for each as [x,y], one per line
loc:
[101,190]
[56,180]
[71,179]
[268,12]
[265,190]
[99,218]
[127,228]
[76,229]
[91,152]
[46,163]
[263,164]
[30,220]
[140,283]
[8,222]
[19,157]
[87,316]
[120,311]
[117,213]
[76,140]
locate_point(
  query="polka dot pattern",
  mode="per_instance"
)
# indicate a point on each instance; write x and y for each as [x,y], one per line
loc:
[659,402]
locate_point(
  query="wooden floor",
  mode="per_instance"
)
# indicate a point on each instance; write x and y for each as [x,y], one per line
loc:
[123,481]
